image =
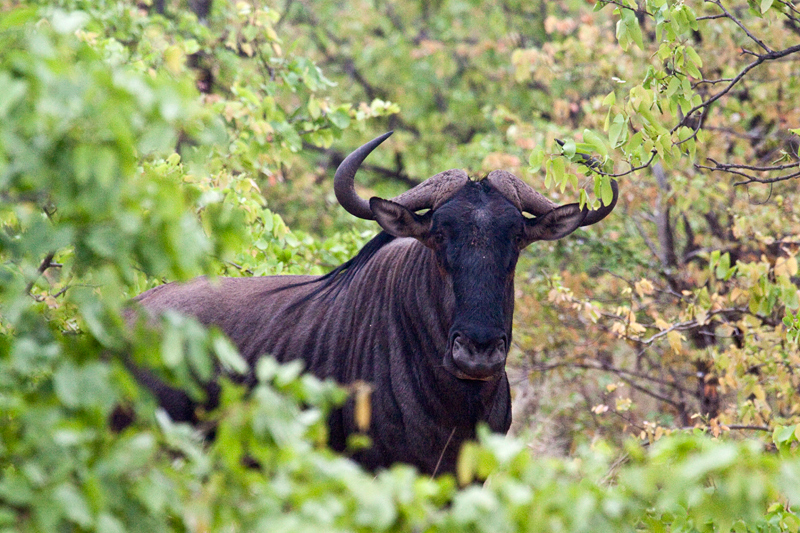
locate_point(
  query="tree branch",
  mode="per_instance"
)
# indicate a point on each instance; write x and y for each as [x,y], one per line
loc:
[736,21]
[739,170]
[760,58]
[47,262]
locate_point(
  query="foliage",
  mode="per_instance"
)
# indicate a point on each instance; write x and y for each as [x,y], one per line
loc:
[681,309]
[139,144]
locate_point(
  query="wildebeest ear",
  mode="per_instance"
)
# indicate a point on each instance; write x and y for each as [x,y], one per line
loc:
[398,220]
[558,223]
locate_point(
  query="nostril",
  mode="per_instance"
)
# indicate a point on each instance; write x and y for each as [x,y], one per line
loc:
[458,342]
[500,345]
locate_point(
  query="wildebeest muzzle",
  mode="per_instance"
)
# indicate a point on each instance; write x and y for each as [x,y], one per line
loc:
[480,355]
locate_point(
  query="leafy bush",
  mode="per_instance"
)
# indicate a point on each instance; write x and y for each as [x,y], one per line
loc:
[117,173]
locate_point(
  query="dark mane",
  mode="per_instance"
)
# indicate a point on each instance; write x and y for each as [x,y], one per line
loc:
[340,277]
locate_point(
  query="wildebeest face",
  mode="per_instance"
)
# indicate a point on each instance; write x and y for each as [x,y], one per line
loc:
[476,237]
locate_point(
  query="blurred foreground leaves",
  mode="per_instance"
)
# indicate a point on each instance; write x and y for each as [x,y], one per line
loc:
[118,172]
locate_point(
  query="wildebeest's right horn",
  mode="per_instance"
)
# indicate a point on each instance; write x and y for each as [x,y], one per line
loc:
[344,180]
[429,194]
[520,193]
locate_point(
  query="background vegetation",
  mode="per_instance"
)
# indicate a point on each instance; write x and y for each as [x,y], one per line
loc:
[656,369]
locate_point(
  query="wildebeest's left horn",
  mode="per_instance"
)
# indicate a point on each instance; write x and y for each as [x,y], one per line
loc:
[526,199]
[343,180]
[429,194]
[596,215]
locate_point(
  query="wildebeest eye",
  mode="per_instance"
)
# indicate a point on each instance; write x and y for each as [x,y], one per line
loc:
[437,238]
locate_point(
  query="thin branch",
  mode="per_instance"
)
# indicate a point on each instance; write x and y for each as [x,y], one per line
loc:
[768,181]
[760,58]
[47,262]
[646,238]
[711,82]
[631,171]
[441,455]
[738,170]
[620,5]
[739,427]
[607,368]
[712,17]
[726,166]
[240,267]
[739,23]
[649,392]
[679,326]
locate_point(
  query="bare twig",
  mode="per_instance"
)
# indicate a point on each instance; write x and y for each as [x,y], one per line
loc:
[760,58]
[739,170]
[591,365]
[629,8]
[632,169]
[441,455]
[47,262]
[736,21]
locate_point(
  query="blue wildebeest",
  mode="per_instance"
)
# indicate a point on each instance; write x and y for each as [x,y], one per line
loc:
[423,312]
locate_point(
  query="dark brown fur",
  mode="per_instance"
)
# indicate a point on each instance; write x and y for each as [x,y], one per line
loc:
[423,313]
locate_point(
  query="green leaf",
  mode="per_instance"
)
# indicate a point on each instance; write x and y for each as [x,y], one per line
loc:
[229,356]
[340,118]
[73,505]
[765,5]
[558,168]
[569,148]
[602,189]
[595,141]
[68,22]
[783,434]
[617,131]
[693,56]
[313,108]
[536,159]
[172,347]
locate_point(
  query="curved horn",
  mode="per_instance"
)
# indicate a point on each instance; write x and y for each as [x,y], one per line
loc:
[520,193]
[434,191]
[526,199]
[429,194]
[344,180]
[596,215]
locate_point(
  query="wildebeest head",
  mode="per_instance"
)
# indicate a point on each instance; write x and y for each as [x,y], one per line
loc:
[476,231]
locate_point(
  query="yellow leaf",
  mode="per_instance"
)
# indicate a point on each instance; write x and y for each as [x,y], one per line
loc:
[466,464]
[636,329]
[786,266]
[173,59]
[644,286]
[618,328]
[758,392]
[623,404]
[701,317]
[363,405]
[662,324]
[674,338]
